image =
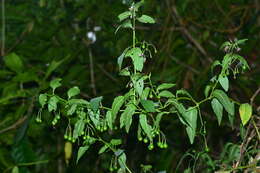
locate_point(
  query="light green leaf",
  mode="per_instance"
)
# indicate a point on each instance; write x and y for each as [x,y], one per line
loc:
[73,92]
[15,169]
[145,19]
[116,142]
[14,62]
[82,151]
[117,104]
[183,92]
[223,80]
[94,103]
[207,89]
[165,86]
[181,110]
[52,104]
[122,161]
[145,126]
[224,100]
[218,109]
[191,117]
[72,109]
[145,93]
[125,72]
[137,58]
[158,119]
[124,15]
[55,83]
[148,105]
[43,99]
[245,112]
[139,86]
[103,149]
[79,128]
[126,117]
[215,63]
[166,94]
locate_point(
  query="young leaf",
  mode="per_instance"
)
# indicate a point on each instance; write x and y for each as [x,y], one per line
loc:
[14,62]
[55,83]
[52,104]
[166,94]
[223,80]
[145,126]
[126,117]
[218,109]
[81,152]
[245,111]
[117,104]
[224,100]
[94,103]
[165,86]
[73,92]
[148,105]
[124,15]
[42,99]
[145,19]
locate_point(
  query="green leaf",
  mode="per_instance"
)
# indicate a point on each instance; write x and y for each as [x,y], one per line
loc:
[15,169]
[95,102]
[126,117]
[191,117]
[124,15]
[54,65]
[103,149]
[181,110]
[43,99]
[245,112]
[125,72]
[165,86]
[82,151]
[145,19]
[52,104]
[116,142]
[14,62]
[166,94]
[223,80]
[121,58]
[72,109]
[145,93]
[145,126]
[183,92]
[73,92]
[122,161]
[139,86]
[215,63]
[117,104]
[218,109]
[137,58]
[224,100]
[79,128]
[207,89]
[109,120]
[158,119]
[125,24]
[55,83]
[148,105]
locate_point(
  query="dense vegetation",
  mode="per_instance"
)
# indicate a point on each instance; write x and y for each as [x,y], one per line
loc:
[123,86]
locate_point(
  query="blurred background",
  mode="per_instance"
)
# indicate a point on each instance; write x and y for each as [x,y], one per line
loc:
[75,40]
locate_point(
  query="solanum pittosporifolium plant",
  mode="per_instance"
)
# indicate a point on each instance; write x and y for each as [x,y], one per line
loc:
[88,119]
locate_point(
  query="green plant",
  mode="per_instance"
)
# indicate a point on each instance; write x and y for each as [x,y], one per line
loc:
[89,121]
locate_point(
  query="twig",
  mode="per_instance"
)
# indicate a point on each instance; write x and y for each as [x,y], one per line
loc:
[254,96]
[92,77]
[3,29]
[15,125]
[185,65]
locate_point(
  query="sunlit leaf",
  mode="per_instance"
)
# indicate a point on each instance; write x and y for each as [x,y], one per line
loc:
[245,112]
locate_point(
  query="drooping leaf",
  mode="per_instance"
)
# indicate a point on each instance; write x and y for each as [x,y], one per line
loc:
[82,151]
[183,92]
[223,80]
[14,62]
[122,161]
[73,92]
[125,24]
[126,117]
[42,99]
[137,58]
[95,102]
[165,86]
[191,117]
[121,58]
[148,105]
[181,110]
[245,112]
[145,126]
[145,19]
[117,104]
[218,109]
[224,100]
[79,128]
[55,83]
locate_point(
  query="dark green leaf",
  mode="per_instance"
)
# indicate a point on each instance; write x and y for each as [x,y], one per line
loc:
[224,100]
[218,109]
[145,126]
[148,105]
[103,149]
[126,117]
[117,104]
[223,80]
[14,62]
[82,151]
[95,102]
